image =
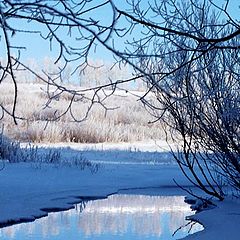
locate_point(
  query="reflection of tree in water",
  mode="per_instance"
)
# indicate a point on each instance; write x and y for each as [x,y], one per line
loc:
[177,219]
[51,225]
[138,214]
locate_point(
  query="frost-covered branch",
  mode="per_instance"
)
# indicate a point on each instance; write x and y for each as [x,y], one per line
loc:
[186,52]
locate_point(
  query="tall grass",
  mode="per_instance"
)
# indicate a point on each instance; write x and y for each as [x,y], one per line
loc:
[127,122]
[10,151]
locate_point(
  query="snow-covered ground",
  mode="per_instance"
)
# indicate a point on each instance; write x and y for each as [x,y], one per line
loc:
[221,222]
[30,190]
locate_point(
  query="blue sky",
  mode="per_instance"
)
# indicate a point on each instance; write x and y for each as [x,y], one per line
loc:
[37,48]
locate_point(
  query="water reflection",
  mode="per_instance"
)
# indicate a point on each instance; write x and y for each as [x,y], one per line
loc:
[117,217]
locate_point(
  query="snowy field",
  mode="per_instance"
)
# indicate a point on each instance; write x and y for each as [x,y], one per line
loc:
[31,189]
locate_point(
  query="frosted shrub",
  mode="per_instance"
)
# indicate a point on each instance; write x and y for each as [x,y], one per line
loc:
[127,122]
[9,150]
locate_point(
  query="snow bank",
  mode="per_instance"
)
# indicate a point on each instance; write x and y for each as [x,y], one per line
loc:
[221,222]
[28,192]
[31,190]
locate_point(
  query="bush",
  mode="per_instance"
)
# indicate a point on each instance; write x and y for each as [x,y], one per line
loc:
[9,150]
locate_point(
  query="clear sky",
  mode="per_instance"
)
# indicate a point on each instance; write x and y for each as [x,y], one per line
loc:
[37,48]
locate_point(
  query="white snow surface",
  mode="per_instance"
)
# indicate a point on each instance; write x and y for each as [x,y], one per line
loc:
[30,190]
[221,222]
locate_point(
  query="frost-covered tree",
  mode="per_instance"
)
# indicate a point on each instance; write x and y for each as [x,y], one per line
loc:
[186,53]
